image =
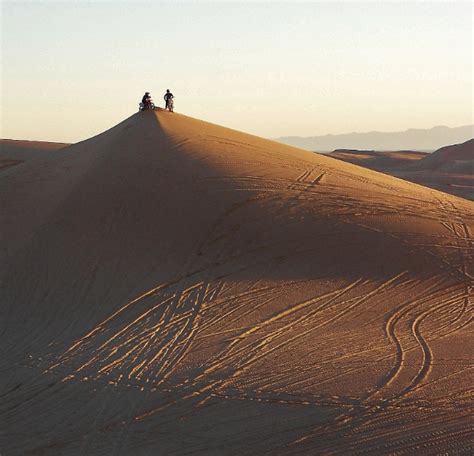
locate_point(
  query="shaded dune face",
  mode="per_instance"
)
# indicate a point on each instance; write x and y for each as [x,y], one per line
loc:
[14,152]
[449,169]
[458,152]
[175,286]
[379,161]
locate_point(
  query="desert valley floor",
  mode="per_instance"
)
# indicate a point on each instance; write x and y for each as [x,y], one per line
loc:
[173,287]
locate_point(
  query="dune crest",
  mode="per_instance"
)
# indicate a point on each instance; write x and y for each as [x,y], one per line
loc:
[13,152]
[173,286]
[449,169]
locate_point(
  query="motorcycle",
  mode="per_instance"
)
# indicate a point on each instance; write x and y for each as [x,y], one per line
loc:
[170,105]
[147,105]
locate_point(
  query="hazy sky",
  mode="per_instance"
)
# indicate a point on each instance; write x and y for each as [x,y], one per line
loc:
[73,69]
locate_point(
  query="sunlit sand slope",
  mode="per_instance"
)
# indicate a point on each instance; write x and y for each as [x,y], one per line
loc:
[175,287]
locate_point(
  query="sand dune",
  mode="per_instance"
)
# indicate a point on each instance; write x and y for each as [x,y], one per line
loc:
[451,157]
[14,152]
[449,169]
[379,161]
[175,287]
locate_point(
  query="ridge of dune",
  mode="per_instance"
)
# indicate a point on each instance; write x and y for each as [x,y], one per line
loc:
[26,150]
[170,277]
[378,160]
[31,144]
[14,152]
[449,155]
[449,169]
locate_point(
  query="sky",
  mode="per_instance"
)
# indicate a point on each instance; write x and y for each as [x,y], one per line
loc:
[70,70]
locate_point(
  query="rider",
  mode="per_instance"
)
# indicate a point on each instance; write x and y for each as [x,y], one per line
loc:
[146,99]
[168,96]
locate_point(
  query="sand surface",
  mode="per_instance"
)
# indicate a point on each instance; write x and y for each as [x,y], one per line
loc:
[172,287]
[449,169]
[14,152]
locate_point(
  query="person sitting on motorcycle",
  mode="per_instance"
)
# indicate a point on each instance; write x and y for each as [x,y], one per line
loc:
[146,100]
[168,96]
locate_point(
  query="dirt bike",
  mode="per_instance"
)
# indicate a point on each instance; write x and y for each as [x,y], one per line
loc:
[147,105]
[170,105]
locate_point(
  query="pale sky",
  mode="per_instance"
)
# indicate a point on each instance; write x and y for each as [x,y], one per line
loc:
[73,69]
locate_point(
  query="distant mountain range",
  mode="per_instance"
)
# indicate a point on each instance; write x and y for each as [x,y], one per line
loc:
[412,139]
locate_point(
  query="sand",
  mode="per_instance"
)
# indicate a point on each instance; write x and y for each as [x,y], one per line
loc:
[175,287]
[13,152]
[377,160]
[449,169]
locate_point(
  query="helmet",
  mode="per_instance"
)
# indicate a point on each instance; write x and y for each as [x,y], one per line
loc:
[147,93]
[167,90]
